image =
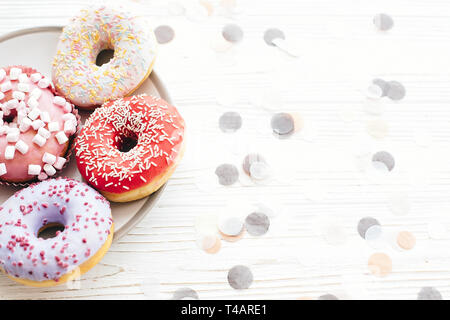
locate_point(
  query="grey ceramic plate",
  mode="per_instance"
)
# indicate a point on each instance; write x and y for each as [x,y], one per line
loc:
[35,48]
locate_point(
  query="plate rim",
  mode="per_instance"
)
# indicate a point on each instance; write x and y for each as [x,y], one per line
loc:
[159,85]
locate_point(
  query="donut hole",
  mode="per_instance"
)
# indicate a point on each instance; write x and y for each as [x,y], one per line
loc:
[126,141]
[50,230]
[104,56]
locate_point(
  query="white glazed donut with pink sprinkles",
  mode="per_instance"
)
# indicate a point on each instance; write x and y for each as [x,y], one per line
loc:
[75,72]
[36,126]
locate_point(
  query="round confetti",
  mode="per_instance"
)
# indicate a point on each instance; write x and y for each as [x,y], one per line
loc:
[240,277]
[282,123]
[364,224]
[164,34]
[380,264]
[384,85]
[383,22]
[386,158]
[228,238]
[399,204]
[328,296]
[406,240]
[259,170]
[377,128]
[230,121]
[429,293]
[374,237]
[230,225]
[272,34]
[184,293]
[250,159]
[437,230]
[206,241]
[374,92]
[227,173]
[257,223]
[396,90]
[216,247]
[232,33]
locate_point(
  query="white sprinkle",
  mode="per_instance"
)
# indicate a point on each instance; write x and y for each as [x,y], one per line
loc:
[34,169]
[36,93]
[49,158]
[49,169]
[13,135]
[2,165]
[23,78]
[61,137]
[59,163]
[44,83]
[39,140]
[44,132]
[24,87]
[36,124]
[53,126]
[45,116]
[32,103]
[14,73]
[35,77]
[9,152]
[22,147]
[34,113]
[6,86]
[19,95]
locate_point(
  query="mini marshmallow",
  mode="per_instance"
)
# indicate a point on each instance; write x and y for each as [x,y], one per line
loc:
[19,95]
[32,102]
[36,93]
[11,104]
[61,137]
[42,176]
[59,101]
[69,116]
[21,105]
[49,169]
[39,140]
[59,164]
[49,158]
[45,116]
[34,169]
[6,86]
[37,124]
[14,73]
[25,124]
[2,74]
[13,135]
[44,132]
[3,130]
[68,107]
[24,87]
[34,113]
[2,167]
[35,77]
[70,127]
[9,152]
[23,78]
[22,146]
[53,126]
[2,95]
[13,125]
[44,83]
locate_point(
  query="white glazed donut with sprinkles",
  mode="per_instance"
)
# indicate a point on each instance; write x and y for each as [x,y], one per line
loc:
[88,230]
[130,147]
[75,73]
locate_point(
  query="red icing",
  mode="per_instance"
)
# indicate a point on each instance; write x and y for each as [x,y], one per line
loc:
[159,130]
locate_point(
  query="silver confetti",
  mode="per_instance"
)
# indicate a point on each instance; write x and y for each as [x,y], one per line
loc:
[429,293]
[232,33]
[328,296]
[384,157]
[230,121]
[164,34]
[257,223]
[364,224]
[228,174]
[184,293]
[240,277]
[272,34]
[383,22]
[396,90]
[384,85]
[282,123]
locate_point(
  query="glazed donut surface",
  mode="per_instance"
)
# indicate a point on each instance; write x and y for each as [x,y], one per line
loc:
[75,73]
[154,126]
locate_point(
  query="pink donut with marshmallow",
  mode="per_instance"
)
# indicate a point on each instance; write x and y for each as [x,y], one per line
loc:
[36,126]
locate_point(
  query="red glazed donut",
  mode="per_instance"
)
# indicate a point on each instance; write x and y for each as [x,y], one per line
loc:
[129,147]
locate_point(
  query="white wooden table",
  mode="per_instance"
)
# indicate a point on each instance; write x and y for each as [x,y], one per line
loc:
[340,52]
